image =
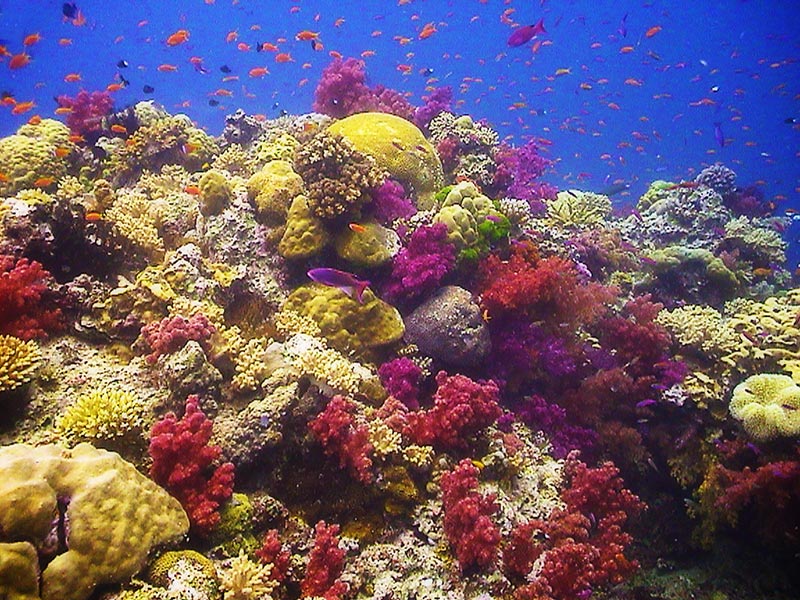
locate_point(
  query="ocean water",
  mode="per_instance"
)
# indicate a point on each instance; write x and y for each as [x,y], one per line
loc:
[615,95]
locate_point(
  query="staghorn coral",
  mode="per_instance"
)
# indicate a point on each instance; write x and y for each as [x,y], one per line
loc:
[103,415]
[59,499]
[338,177]
[18,362]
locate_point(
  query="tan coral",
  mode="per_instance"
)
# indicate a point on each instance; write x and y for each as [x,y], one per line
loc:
[18,362]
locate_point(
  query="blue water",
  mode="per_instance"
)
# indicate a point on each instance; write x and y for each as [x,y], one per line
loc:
[741,55]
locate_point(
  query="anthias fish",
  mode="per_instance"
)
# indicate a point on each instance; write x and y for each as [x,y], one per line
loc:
[346,282]
[526,33]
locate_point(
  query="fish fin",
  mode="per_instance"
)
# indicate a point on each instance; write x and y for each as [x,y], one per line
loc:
[359,290]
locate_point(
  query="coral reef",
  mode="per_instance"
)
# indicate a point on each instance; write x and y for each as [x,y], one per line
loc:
[18,362]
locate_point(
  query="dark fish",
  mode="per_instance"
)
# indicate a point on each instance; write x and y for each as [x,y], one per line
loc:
[225,69]
[315,45]
[615,188]
[526,33]
[123,81]
[623,27]
[427,72]
[213,102]
[344,281]
[123,64]
[790,121]
[718,135]
[69,10]
[148,89]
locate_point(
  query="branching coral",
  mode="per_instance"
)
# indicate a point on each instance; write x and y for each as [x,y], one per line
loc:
[341,435]
[171,333]
[103,415]
[337,176]
[18,362]
[245,579]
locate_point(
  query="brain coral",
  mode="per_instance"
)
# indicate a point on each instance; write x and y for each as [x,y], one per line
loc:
[106,513]
[768,406]
[399,147]
[18,361]
[30,154]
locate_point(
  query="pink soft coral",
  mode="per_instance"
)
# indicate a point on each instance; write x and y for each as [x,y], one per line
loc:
[342,436]
[172,333]
[26,302]
[183,463]
[325,564]
[87,110]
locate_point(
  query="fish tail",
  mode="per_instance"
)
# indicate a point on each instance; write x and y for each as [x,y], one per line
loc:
[362,285]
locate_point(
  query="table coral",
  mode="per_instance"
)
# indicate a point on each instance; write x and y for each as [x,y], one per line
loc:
[768,406]
[184,463]
[60,499]
[18,362]
[27,304]
[399,148]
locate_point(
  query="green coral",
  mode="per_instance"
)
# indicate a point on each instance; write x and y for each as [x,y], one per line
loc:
[462,228]
[575,208]
[116,515]
[371,246]
[215,192]
[305,233]
[272,190]
[104,415]
[348,325]
[18,362]
[234,532]
[768,406]
[399,148]
[29,155]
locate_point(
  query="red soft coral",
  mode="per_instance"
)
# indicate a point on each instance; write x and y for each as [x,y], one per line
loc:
[468,515]
[183,463]
[341,435]
[461,409]
[26,300]
[325,564]
[171,334]
[273,553]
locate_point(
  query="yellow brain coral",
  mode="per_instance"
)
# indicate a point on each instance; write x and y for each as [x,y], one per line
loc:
[114,517]
[398,147]
[30,155]
[768,406]
[18,362]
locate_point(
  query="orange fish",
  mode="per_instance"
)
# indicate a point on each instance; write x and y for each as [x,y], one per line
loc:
[268,47]
[164,68]
[114,87]
[32,39]
[43,182]
[633,81]
[405,69]
[117,128]
[306,36]
[258,72]
[177,38]
[357,227]
[232,36]
[4,51]
[652,31]
[192,189]
[338,22]
[283,57]
[76,138]
[242,47]
[4,178]
[22,107]
[613,106]
[8,101]
[35,120]
[19,60]
[367,53]
[72,77]
[222,92]
[427,31]
[63,110]
[335,54]
[93,217]
[61,152]
[626,49]
[79,20]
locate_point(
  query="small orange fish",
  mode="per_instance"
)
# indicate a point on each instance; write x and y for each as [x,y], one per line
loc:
[19,60]
[76,138]
[22,107]
[367,53]
[61,152]
[79,20]
[117,128]
[192,189]
[114,87]
[72,77]
[93,216]
[222,92]
[633,81]
[335,54]
[306,35]
[65,42]
[167,68]
[4,178]
[177,38]
[268,47]
[232,36]
[357,227]
[339,22]
[258,72]
[762,272]
[626,49]
[242,47]
[44,182]
[405,69]
[32,39]
[427,31]
[63,110]
[652,31]
[35,120]
[283,57]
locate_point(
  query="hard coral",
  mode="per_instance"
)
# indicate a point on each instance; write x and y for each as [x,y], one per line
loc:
[183,463]
[468,516]
[337,176]
[341,435]
[462,409]
[18,362]
[103,415]
[26,300]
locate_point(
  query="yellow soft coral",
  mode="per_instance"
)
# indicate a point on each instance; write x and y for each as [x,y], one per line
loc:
[18,362]
[768,406]
[247,580]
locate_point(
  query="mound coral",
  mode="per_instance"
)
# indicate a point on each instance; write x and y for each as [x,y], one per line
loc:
[59,499]
[305,233]
[183,463]
[398,148]
[768,406]
[272,189]
[18,362]
[30,156]
[26,300]
[337,175]
[578,209]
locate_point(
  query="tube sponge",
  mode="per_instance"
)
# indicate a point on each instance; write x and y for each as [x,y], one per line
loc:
[768,406]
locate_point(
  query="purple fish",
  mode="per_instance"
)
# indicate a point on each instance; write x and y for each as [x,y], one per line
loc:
[718,135]
[645,403]
[346,282]
[525,34]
